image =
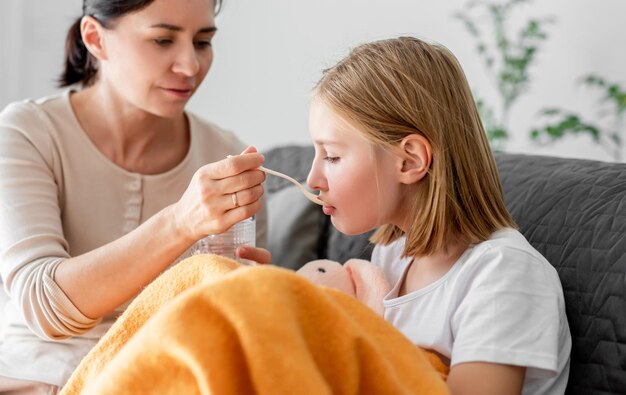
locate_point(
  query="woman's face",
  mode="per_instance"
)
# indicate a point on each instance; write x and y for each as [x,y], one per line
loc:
[157,57]
[356,180]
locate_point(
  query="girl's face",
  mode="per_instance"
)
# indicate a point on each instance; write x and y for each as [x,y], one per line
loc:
[156,58]
[356,179]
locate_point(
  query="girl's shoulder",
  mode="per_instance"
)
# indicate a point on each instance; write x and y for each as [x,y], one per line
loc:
[507,258]
[389,258]
[506,243]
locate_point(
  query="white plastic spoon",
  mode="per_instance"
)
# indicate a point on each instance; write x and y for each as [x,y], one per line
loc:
[311,196]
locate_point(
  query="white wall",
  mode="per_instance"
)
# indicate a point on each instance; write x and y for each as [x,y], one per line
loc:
[32,37]
[270,53]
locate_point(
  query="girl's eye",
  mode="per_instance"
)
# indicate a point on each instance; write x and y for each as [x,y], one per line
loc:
[332,159]
[164,42]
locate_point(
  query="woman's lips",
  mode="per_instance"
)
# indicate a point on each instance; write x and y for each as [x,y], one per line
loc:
[184,93]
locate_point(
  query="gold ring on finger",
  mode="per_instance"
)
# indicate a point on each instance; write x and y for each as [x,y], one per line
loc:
[235,200]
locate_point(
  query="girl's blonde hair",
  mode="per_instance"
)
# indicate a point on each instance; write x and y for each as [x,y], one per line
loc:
[393,88]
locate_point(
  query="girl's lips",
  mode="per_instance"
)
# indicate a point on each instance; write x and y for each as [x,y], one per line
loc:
[328,210]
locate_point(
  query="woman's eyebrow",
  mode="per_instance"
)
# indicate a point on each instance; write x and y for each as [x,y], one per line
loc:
[208,29]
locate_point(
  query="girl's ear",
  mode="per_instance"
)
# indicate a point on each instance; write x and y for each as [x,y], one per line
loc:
[416,157]
[92,33]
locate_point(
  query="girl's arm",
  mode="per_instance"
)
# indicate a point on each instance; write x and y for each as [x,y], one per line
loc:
[256,254]
[483,378]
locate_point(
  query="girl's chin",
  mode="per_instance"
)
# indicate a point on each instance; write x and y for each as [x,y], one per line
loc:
[346,229]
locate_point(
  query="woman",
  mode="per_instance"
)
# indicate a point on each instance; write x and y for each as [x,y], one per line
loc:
[105,187]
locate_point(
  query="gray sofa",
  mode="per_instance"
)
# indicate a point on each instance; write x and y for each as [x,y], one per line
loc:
[572,211]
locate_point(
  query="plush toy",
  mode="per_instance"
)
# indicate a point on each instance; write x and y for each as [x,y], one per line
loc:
[365,281]
[356,277]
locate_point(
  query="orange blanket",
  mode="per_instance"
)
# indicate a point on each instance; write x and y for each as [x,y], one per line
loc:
[204,328]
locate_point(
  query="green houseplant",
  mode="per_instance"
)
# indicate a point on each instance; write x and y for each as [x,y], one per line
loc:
[507,57]
[561,122]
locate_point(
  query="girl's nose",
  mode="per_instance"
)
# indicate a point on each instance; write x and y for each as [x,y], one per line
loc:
[315,179]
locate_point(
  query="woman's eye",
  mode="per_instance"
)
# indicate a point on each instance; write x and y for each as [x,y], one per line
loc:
[332,159]
[164,42]
[202,43]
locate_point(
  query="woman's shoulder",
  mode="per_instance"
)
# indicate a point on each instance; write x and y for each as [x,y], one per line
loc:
[23,115]
[32,121]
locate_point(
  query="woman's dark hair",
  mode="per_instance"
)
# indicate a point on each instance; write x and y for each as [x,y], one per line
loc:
[80,65]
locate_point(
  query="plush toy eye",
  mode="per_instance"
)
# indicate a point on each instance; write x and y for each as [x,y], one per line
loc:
[321,270]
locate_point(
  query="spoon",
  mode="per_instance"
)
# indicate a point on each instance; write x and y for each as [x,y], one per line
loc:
[311,196]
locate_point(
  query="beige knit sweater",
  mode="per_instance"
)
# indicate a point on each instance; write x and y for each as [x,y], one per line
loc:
[61,197]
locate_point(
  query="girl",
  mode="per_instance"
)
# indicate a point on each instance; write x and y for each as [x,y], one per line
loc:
[400,147]
[104,187]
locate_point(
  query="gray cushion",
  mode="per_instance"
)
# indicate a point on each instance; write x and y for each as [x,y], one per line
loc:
[342,247]
[295,226]
[293,160]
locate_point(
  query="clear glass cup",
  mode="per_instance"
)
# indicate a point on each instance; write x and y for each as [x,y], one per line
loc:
[225,244]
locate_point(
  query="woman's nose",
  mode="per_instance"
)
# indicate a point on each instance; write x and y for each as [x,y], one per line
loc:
[187,62]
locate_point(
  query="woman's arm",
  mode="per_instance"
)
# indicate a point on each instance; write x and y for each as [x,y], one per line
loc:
[482,378]
[58,293]
[100,280]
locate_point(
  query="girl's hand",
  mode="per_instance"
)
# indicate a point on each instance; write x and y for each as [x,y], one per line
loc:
[256,254]
[219,195]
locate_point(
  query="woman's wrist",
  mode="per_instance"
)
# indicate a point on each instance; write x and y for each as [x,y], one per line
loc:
[175,227]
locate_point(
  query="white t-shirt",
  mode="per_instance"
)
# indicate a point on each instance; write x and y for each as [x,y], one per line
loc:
[61,197]
[501,302]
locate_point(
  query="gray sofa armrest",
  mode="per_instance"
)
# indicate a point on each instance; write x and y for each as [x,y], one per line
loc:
[574,212]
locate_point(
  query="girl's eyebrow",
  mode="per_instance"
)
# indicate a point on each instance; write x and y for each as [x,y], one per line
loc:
[328,138]
[208,29]
[327,142]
